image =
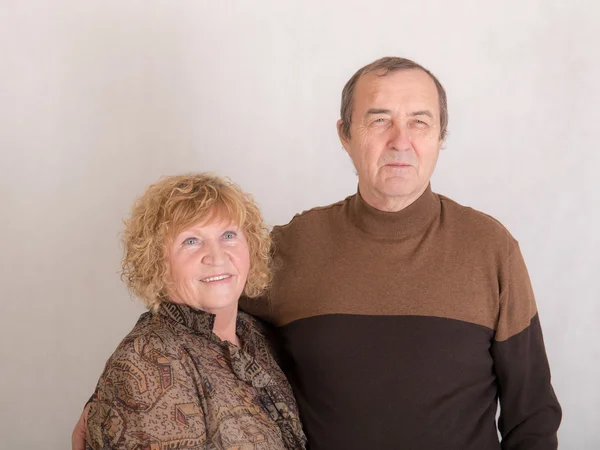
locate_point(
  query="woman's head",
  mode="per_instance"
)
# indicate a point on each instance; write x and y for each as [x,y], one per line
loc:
[185,231]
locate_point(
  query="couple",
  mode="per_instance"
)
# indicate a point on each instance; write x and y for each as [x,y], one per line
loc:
[400,317]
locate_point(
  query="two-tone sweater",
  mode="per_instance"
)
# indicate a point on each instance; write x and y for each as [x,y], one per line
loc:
[404,329]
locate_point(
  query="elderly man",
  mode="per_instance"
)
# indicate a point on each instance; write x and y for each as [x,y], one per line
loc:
[406,316]
[403,316]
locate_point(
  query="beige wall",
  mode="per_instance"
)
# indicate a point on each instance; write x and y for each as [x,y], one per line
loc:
[99,98]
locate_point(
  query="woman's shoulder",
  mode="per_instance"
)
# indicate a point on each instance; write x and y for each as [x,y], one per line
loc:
[254,324]
[151,338]
[263,335]
[146,385]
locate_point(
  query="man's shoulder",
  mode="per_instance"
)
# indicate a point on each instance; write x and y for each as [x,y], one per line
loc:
[313,218]
[472,221]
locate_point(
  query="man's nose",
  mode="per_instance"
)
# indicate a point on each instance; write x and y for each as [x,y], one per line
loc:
[399,138]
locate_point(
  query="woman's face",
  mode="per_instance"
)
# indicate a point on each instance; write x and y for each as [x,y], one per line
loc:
[209,265]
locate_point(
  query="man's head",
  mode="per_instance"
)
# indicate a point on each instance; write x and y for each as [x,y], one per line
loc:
[393,124]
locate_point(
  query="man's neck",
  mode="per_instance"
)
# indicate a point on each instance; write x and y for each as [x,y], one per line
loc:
[389,203]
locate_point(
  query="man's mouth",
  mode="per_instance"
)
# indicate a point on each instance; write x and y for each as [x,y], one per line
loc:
[399,165]
[215,278]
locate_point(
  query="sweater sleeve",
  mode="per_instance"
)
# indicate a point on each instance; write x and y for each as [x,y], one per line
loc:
[529,410]
[145,399]
[261,306]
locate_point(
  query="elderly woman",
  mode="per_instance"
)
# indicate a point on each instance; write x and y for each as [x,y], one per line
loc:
[195,372]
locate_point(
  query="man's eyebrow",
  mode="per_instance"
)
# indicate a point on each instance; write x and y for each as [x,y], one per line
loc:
[377,111]
[424,112]
[373,111]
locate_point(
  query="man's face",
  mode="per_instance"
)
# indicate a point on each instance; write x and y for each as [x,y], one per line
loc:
[394,136]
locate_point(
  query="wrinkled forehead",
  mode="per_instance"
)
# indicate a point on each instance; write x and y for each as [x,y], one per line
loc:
[400,89]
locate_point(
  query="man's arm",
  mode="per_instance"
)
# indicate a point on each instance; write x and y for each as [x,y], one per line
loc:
[529,410]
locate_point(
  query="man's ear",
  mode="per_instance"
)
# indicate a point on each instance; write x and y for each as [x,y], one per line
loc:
[441,145]
[343,139]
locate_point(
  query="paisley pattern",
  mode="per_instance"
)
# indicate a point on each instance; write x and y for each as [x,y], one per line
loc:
[173,384]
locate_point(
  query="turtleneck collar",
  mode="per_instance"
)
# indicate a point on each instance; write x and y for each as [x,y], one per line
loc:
[412,219]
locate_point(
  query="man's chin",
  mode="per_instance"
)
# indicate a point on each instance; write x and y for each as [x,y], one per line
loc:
[398,187]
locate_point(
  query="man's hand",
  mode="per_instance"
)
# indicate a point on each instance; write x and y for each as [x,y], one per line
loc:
[78,436]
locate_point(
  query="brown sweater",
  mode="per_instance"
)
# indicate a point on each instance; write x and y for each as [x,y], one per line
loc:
[403,329]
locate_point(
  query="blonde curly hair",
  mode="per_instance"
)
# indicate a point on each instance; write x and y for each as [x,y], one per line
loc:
[174,204]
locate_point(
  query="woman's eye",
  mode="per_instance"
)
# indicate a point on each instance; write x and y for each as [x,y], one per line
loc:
[229,235]
[190,241]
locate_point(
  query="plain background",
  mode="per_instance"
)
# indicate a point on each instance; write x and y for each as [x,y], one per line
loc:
[100,98]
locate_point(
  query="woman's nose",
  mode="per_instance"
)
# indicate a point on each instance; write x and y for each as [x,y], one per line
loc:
[215,256]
